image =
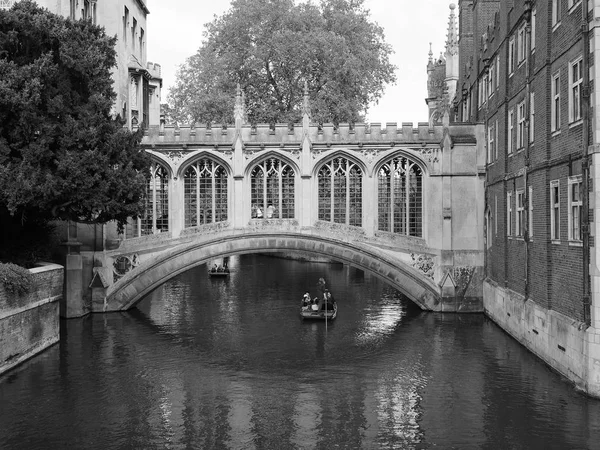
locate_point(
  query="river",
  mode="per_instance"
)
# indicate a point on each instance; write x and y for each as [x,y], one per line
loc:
[228,364]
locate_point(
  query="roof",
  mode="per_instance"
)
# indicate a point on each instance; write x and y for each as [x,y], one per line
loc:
[143,6]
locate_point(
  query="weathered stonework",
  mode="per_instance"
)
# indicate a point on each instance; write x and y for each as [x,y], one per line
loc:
[30,323]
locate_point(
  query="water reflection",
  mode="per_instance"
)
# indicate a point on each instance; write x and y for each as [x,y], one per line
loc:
[206,363]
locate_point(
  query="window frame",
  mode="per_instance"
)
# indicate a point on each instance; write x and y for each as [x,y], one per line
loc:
[511,56]
[573,230]
[521,45]
[531,117]
[509,214]
[510,131]
[556,13]
[530,212]
[575,86]
[520,126]
[532,39]
[555,210]
[519,212]
[491,143]
[555,103]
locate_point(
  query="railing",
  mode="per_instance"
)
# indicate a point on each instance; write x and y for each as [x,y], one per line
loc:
[5,4]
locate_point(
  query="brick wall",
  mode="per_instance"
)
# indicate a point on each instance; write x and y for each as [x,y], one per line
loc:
[547,272]
[30,323]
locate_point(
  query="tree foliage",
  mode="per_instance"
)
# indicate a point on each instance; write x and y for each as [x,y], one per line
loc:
[62,153]
[271,48]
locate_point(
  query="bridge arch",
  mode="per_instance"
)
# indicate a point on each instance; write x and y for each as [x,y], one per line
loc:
[130,289]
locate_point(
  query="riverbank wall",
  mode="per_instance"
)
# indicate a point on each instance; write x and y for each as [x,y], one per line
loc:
[568,346]
[30,323]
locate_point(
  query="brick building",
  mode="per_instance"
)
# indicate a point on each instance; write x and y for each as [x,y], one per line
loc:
[525,71]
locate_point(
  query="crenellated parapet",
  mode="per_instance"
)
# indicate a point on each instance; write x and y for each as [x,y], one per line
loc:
[361,133]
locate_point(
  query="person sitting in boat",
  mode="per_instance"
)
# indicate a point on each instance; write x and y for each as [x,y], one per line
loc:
[306,301]
[315,304]
[220,268]
[214,268]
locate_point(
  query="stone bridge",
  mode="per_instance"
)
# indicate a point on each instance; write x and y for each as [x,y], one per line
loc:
[403,203]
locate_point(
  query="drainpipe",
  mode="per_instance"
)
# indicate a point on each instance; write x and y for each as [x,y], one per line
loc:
[585,107]
[527,140]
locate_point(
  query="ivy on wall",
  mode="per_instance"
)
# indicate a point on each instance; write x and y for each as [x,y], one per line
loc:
[15,279]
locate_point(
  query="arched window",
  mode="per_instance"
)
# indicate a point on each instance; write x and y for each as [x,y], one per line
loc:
[340,192]
[155,218]
[401,197]
[205,193]
[272,194]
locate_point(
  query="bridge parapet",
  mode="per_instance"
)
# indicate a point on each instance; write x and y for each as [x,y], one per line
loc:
[363,133]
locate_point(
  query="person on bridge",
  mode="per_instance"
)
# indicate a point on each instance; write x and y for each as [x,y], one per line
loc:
[270,211]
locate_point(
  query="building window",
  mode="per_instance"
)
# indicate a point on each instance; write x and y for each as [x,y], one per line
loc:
[488,229]
[521,44]
[86,12]
[555,106]
[531,116]
[511,55]
[491,143]
[575,205]
[491,80]
[497,71]
[556,12]
[340,192]
[554,210]
[156,211]
[133,33]
[73,9]
[575,85]
[521,125]
[273,190]
[520,219]
[572,3]
[125,24]
[141,44]
[400,196]
[205,193]
[509,138]
[509,214]
[533,16]
[496,214]
[530,212]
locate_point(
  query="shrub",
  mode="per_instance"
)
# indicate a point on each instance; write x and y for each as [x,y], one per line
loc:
[15,279]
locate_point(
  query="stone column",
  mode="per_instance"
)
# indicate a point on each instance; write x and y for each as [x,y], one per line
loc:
[370,207]
[176,212]
[72,304]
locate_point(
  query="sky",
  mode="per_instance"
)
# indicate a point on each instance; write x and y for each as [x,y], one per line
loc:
[175,33]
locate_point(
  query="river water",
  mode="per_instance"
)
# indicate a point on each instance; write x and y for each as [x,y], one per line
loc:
[228,364]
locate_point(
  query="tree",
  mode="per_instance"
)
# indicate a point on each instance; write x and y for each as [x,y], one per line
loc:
[271,48]
[63,155]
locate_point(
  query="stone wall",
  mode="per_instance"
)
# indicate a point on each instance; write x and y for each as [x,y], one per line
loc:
[30,323]
[563,343]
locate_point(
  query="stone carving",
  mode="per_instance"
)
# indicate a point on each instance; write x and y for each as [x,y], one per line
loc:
[370,154]
[124,264]
[463,277]
[176,155]
[431,155]
[424,263]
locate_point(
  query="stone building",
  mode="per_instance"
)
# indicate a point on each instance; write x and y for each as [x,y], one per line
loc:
[137,82]
[526,72]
